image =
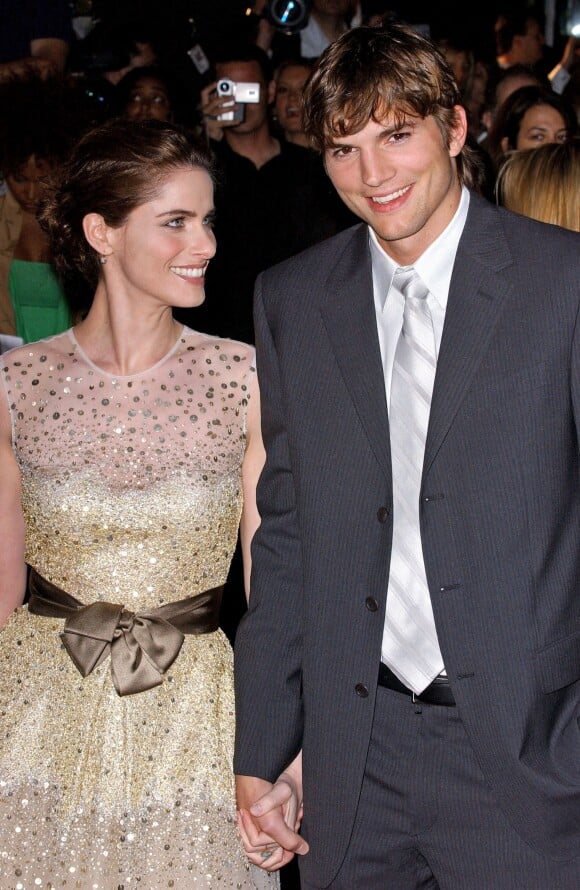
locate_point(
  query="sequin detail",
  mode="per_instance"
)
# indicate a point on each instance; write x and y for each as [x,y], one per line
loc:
[131,492]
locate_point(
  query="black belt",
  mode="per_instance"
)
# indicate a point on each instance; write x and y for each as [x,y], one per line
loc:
[437,693]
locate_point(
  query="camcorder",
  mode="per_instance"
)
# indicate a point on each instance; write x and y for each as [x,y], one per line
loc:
[241,94]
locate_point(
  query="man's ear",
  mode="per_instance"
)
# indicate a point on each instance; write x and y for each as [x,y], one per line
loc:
[97,233]
[271,91]
[458,133]
[504,145]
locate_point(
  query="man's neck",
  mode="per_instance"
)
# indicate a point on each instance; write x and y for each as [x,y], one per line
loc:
[331,26]
[259,146]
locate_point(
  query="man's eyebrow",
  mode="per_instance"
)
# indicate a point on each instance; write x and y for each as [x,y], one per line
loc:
[406,122]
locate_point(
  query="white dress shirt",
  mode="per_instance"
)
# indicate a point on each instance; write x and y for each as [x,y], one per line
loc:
[434,267]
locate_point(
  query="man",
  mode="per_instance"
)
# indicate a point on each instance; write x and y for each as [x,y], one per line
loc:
[414,619]
[520,40]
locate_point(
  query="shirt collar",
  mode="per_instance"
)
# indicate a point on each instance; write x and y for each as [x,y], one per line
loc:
[435,265]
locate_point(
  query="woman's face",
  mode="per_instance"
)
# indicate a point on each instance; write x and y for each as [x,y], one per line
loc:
[148,100]
[288,102]
[159,256]
[540,125]
[26,183]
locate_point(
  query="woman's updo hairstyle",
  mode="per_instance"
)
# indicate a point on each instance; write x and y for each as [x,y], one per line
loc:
[113,169]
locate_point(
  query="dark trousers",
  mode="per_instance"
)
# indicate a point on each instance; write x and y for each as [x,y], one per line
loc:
[427,819]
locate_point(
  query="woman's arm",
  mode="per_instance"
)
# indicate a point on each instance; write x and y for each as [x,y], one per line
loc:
[251,469]
[12,564]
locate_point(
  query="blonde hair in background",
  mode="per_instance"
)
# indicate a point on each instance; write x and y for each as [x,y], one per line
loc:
[543,183]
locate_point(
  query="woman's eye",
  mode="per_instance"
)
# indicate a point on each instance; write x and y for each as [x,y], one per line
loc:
[176,223]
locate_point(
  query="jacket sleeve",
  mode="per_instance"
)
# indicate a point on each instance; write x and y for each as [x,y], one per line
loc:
[268,645]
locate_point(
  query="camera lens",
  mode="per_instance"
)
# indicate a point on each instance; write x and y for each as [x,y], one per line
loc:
[224,87]
[289,15]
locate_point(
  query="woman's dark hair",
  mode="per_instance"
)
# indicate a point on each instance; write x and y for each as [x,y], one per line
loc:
[113,169]
[39,116]
[511,112]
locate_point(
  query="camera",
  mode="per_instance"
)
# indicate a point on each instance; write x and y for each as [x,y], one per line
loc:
[288,15]
[240,93]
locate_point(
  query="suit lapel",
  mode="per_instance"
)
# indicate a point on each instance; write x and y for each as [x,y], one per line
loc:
[476,299]
[350,320]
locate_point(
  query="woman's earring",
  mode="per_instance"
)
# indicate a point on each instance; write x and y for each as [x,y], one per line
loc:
[102,260]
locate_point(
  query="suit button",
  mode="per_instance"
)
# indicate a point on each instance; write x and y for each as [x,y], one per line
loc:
[383,514]
[371,604]
[361,690]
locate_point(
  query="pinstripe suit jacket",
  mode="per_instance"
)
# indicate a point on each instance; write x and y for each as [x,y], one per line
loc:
[500,523]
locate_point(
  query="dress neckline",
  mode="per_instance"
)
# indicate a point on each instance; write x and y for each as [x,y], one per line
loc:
[79,349]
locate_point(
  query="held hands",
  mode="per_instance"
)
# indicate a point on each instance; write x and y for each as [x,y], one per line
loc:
[269,817]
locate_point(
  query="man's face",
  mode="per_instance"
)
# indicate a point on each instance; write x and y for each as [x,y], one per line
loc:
[530,44]
[402,181]
[256,114]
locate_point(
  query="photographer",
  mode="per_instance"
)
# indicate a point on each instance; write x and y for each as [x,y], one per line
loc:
[304,29]
[273,197]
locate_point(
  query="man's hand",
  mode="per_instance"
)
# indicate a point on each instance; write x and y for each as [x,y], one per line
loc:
[268,819]
[211,107]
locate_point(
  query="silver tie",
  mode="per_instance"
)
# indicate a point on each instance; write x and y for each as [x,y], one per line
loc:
[410,646]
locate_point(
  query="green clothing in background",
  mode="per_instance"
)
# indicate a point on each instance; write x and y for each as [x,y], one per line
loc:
[40,306]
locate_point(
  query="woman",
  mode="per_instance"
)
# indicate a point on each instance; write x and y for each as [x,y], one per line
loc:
[531,116]
[290,78]
[39,121]
[543,184]
[130,448]
[154,92]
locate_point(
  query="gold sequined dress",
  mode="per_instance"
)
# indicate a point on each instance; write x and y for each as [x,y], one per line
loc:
[132,494]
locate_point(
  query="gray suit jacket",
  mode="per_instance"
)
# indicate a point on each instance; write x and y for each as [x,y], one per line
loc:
[500,521]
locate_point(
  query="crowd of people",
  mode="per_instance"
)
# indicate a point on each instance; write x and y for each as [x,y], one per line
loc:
[288,401]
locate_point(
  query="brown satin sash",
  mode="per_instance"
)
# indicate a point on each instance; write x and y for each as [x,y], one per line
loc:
[142,645]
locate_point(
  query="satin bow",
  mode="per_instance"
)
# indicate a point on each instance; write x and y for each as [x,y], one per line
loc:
[142,647]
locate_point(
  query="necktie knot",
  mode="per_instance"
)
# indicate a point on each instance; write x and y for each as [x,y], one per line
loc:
[408,282]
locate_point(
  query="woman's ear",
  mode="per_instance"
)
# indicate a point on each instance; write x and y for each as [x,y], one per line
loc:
[97,233]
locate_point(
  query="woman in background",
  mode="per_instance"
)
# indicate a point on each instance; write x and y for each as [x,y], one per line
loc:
[130,447]
[153,92]
[290,78]
[40,119]
[531,116]
[543,184]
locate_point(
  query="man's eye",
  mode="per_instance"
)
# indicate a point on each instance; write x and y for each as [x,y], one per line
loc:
[400,136]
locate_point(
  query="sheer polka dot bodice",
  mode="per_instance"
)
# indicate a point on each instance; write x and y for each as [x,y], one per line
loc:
[147,466]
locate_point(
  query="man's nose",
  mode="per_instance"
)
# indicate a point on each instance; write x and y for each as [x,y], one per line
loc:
[375,168]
